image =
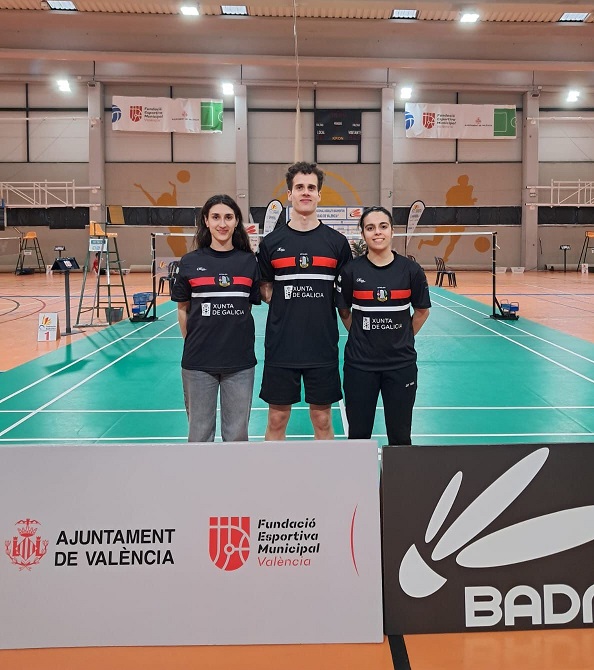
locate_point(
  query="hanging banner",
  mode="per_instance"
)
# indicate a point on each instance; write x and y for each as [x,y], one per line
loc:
[273,212]
[467,122]
[415,213]
[167,115]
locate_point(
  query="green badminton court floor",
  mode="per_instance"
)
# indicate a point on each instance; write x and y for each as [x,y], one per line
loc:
[481,381]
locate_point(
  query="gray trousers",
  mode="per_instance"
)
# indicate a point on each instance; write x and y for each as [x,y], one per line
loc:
[200,394]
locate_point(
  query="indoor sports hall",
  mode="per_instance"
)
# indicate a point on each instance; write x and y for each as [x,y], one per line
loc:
[474,125]
[483,380]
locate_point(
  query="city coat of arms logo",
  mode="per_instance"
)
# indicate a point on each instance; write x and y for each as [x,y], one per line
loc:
[428,119]
[382,293]
[28,548]
[224,280]
[303,261]
[135,113]
[229,541]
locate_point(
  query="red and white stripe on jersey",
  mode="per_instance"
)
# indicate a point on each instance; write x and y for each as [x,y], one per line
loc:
[211,281]
[394,295]
[291,262]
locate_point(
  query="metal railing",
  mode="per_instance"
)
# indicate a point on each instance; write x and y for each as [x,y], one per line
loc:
[562,194]
[44,194]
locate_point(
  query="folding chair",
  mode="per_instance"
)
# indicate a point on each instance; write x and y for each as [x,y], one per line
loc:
[443,271]
[169,277]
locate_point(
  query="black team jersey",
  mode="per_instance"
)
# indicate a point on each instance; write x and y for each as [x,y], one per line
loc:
[220,285]
[302,330]
[381,335]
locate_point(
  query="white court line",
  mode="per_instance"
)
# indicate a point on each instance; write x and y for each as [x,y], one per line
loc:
[131,411]
[341,409]
[89,411]
[84,381]
[523,346]
[343,416]
[158,439]
[521,330]
[154,439]
[77,361]
[440,435]
[504,409]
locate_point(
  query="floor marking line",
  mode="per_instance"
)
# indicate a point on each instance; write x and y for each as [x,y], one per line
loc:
[83,381]
[525,332]
[82,358]
[340,408]
[343,416]
[260,438]
[519,344]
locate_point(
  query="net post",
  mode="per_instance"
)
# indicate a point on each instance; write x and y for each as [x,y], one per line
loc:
[494,270]
[154,273]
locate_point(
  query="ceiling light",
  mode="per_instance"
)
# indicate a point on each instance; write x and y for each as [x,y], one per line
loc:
[189,10]
[64,6]
[469,17]
[228,88]
[404,14]
[572,96]
[574,16]
[405,93]
[64,85]
[234,10]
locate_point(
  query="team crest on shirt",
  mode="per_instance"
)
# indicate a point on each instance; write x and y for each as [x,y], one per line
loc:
[303,261]
[381,293]
[224,280]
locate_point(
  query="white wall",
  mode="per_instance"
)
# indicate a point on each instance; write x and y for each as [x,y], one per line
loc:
[55,140]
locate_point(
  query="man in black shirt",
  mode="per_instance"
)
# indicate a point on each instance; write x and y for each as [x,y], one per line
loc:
[299,263]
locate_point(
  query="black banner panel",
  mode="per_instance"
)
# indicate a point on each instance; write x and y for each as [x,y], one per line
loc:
[488,538]
[338,126]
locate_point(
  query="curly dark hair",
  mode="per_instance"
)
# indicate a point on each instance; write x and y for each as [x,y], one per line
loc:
[304,168]
[203,237]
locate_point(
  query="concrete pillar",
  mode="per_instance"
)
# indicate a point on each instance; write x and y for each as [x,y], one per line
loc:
[242,185]
[97,151]
[387,150]
[530,242]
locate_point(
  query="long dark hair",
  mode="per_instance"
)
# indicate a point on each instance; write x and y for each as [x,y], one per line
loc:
[203,238]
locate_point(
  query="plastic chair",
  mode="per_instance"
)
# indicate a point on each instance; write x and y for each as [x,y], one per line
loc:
[443,271]
[96,230]
[169,277]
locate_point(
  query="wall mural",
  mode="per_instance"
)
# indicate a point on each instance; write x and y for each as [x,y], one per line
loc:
[459,195]
[178,245]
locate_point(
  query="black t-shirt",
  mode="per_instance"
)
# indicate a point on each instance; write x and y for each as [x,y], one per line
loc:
[220,285]
[381,335]
[302,330]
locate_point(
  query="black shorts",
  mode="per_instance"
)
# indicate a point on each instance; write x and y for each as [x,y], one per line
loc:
[282,386]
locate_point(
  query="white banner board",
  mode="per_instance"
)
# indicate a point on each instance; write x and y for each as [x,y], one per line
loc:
[166,115]
[121,545]
[468,122]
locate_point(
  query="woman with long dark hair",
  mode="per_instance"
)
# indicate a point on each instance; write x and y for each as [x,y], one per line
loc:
[389,298]
[216,286]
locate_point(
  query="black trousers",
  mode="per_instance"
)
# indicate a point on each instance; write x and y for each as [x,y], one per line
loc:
[398,389]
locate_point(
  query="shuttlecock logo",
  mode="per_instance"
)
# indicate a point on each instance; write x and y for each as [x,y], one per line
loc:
[527,540]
